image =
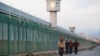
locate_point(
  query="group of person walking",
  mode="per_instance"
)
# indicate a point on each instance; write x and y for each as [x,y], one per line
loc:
[68,46]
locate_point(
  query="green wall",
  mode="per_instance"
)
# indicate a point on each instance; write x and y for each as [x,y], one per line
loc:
[18,35]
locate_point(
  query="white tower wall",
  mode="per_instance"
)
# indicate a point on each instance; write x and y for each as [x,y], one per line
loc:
[72,29]
[53,19]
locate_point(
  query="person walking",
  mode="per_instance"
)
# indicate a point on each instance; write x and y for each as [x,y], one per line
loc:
[76,44]
[70,46]
[61,46]
[67,47]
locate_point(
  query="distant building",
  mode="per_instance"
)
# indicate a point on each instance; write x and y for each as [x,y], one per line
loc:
[72,29]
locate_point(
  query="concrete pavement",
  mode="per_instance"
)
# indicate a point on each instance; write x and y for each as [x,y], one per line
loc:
[93,52]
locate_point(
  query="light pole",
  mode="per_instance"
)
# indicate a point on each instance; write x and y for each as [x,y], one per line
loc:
[53,6]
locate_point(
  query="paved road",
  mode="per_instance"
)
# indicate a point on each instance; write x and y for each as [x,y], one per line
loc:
[93,52]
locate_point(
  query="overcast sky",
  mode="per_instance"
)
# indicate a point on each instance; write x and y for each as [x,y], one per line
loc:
[83,14]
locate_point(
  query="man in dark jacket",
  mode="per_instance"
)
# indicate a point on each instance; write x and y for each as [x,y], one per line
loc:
[67,47]
[76,45]
[70,46]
